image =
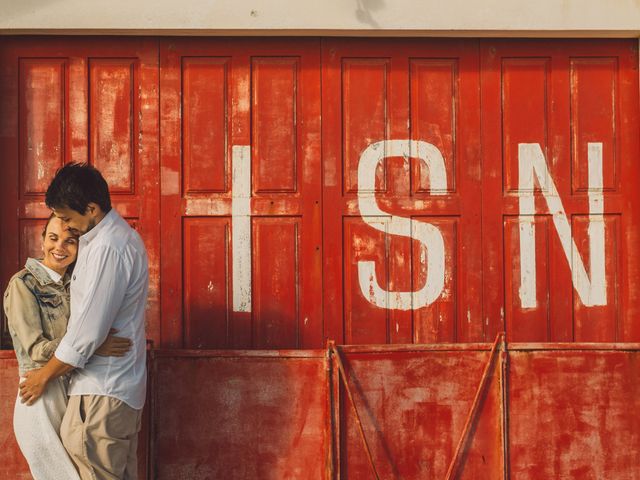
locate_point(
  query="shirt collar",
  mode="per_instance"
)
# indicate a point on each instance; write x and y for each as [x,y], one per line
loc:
[107,220]
[53,275]
[39,271]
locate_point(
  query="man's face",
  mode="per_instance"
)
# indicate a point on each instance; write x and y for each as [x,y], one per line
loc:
[75,222]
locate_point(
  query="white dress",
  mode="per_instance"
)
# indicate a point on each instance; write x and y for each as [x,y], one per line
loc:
[37,429]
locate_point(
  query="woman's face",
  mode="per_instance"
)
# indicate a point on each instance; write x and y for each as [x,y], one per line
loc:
[60,246]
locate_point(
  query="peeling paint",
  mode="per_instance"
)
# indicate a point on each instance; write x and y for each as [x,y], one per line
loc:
[241,227]
[430,237]
[592,291]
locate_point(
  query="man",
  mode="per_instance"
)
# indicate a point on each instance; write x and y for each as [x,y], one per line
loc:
[108,290]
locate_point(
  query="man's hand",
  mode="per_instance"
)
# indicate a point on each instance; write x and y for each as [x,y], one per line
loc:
[114,346]
[33,386]
[36,380]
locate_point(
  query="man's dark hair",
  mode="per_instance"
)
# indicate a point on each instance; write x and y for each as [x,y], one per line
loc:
[75,186]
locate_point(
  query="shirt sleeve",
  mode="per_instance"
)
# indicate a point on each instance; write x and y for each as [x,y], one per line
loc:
[104,285]
[23,316]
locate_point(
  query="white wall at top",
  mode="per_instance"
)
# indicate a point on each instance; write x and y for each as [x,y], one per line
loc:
[326,17]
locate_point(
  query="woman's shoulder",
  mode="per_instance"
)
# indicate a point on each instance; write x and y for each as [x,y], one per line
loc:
[22,277]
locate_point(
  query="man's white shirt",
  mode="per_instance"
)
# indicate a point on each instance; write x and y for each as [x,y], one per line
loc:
[109,289]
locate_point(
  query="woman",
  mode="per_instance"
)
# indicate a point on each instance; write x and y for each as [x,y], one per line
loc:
[36,304]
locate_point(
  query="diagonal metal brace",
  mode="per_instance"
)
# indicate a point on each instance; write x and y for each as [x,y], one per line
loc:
[473,412]
[335,350]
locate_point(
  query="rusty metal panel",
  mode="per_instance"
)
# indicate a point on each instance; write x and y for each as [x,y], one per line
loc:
[241,194]
[414,406]
[12,463]
[573,413]
[66,100]
[241,415]
[402,185]
[427,411]
[559,128]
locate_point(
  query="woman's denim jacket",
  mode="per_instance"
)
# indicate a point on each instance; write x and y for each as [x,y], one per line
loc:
[37,310]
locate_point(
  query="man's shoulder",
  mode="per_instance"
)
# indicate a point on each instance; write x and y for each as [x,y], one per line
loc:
[120,239]
[116,236]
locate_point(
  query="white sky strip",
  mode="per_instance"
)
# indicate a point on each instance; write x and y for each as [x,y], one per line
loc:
[241,227]
[531,162]
[427,234]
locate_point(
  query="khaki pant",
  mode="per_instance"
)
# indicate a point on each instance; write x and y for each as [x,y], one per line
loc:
[100,434]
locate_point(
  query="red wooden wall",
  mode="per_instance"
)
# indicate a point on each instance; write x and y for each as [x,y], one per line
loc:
[79,100]
[366,190]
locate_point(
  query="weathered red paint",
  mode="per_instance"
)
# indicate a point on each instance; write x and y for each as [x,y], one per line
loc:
[66,100]
[241,415]
[555,411]
[12,463]
[562,95]
[166,119]
[390,90]
[217,94]
[302,116]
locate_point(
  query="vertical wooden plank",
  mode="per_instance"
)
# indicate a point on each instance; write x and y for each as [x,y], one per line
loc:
[111,107]
[438,323]
[274,100]
[599,323]
[277,288]
[628,149]
[525,93]
[363,321]
[42,121]
[171,328]
[205,123]
[364,114]
[206,282]
[332,185]
[146,132]
[528,324]
[309,172]
[435,96]
[594,97]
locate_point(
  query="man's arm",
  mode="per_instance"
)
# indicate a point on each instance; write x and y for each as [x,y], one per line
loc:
[37,380]
[91,319]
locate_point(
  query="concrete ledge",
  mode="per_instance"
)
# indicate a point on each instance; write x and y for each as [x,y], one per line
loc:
[504,18]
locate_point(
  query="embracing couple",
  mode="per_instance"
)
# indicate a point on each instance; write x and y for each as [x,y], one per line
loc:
[76,318]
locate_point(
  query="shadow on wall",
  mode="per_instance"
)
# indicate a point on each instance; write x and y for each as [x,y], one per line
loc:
[364,9]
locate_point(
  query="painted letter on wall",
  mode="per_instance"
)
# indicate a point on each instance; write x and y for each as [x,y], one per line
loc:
[531,161]
[427,234]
